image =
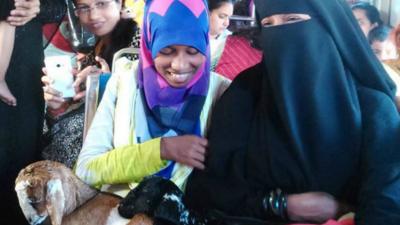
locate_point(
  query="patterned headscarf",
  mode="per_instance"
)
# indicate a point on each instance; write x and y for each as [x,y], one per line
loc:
[166,23]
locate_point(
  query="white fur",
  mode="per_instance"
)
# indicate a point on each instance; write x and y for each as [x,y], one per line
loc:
[56,193]
[115,219]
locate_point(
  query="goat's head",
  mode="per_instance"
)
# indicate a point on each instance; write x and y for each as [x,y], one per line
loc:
[40,192]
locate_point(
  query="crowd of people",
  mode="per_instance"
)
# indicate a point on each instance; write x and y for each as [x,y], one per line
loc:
[292,120]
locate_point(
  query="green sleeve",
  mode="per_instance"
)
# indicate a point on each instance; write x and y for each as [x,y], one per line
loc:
[127,164]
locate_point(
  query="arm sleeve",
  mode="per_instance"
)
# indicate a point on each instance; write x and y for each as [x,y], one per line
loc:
[51,11]
[379,195]
[224,184]
[100,162]
[5,7]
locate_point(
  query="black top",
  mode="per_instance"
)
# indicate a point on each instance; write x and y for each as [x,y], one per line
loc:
[316,115]
[5,7]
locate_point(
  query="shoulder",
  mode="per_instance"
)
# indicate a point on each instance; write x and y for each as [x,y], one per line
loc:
[249,79]
[374,101]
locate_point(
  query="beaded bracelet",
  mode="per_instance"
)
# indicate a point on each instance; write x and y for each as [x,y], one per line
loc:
[275,204]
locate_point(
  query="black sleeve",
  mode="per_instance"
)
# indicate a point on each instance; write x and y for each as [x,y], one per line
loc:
[5,7]
[51,11]
[379,195]
[223,185]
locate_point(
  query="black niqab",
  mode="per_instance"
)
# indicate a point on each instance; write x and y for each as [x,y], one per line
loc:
[308,118]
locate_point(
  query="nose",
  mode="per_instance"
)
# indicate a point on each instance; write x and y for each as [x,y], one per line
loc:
[93,13]
[226,22]
[179,63]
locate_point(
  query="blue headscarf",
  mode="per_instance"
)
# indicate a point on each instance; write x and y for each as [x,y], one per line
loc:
[169,109]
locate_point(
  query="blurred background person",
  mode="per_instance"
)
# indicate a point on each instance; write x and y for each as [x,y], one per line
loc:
[382,45]
[367,15]
[65,117]
[231,53]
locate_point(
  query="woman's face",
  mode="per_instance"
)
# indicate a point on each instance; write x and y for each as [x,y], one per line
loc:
[363,21]
[178,64]
[281,19]
[99,16]
[219,19]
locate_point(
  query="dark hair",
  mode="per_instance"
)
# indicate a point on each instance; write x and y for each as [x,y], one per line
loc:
[215,4]
[379,33]
[122,1]
[121,37]
[246,29]
[371,12]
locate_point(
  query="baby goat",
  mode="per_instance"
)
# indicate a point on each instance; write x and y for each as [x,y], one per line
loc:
[50,189]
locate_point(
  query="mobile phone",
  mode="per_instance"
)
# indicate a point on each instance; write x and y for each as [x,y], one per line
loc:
[59,69]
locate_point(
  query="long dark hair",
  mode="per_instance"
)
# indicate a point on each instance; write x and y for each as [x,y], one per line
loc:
[121,37]
[215,4]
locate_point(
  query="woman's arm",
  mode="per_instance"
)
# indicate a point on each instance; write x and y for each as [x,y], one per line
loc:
[7,36]
[379,198]
[100,162]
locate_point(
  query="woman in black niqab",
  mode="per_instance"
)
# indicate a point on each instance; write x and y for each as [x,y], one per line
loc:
[317,115]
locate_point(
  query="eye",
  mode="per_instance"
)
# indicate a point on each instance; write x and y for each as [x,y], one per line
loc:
[167,51]
[101,4]
[222,16]
[192,51]
[293,19]
[82,8]
[266,23]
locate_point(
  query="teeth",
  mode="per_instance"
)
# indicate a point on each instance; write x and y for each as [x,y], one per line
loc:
[180,77]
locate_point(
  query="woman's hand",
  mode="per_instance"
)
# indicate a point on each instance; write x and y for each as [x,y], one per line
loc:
[189,150]
[314,207]
[53,98]
[25,10]
[80,77]
[80,81]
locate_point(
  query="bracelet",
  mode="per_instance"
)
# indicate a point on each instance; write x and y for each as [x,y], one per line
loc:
[275,204]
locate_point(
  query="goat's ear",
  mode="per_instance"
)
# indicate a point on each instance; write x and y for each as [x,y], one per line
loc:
[55,201]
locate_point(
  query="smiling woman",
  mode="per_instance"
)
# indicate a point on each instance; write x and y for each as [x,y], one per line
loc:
[64,117]
[179,64]
[154,112]
[99,16]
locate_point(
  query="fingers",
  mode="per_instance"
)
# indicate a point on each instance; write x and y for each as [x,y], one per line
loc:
[53,94]
[104,65]
[81,76]
[197,165]
[189,150]
[79,95]
[24,12]
[196,152]
[81,80]
[46,80]
[18,21]
[202,141]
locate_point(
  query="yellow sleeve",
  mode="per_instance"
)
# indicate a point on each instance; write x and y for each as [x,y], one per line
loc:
[126,164]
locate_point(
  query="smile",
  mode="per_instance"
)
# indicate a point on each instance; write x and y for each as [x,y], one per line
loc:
[180,77]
